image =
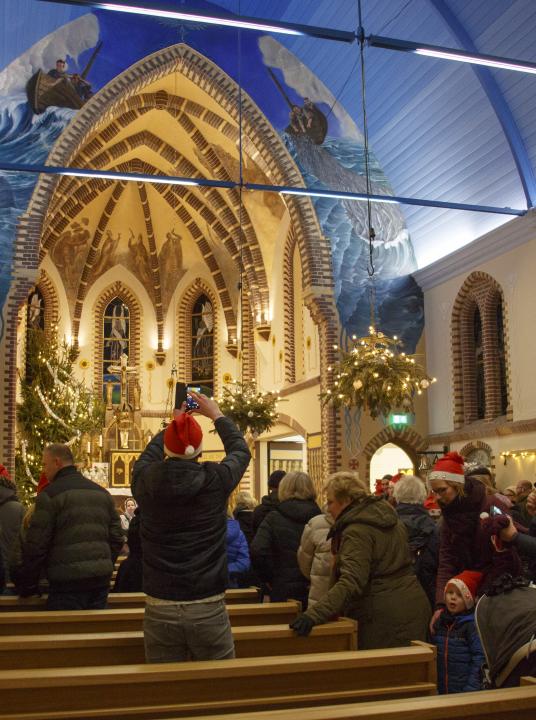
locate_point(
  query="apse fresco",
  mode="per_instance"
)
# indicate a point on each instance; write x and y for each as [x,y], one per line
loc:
[320,135]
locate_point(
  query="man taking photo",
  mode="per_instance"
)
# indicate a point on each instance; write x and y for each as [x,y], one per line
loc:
[182,504]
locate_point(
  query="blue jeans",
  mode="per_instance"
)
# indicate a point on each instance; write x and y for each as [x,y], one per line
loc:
[87,600]
[187,631]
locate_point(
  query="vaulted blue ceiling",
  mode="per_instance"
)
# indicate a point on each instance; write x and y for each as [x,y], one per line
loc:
[440,130]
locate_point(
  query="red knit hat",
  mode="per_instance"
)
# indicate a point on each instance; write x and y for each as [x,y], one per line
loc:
[449,468]
[4,472]
[467,583]
[183,437]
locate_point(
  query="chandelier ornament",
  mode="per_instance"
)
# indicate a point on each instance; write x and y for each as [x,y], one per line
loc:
[252,410]
[375,375]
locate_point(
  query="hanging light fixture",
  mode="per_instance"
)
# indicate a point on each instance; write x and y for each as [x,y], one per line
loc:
[375,374]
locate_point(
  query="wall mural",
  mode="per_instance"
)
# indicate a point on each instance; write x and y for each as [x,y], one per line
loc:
[38,99]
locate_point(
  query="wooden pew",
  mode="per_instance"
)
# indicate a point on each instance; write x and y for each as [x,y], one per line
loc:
[527,681]
[59,622]
[505,704]
[12,603]
[83,650]
[172,690]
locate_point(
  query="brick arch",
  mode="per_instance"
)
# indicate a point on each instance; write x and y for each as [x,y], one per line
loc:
[481,291]
[51,300]
[124,293]
[479,445]
[406,438]
[183,351]
[288,305]
[258,134]
[293,424]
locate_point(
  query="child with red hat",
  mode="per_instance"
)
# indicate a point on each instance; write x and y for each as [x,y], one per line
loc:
[459,653]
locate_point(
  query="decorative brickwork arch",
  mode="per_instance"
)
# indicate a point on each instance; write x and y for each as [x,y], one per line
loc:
[288,308]
[128,297]
[479,445]
[51,300]
[183,351]
[259,137]
[480,291]
[293,424]
[248,356]
[407,440]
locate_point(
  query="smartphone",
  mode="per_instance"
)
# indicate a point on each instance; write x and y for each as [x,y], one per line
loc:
[494,510]
[180,394]
[190,402]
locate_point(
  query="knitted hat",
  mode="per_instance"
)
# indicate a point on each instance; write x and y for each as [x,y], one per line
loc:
[448,468]
[275,478]
[467,583]
[183,437]
[4,472]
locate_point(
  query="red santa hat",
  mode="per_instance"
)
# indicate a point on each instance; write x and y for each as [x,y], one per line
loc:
[4,472]
[467,583]
[449,468]
[183,437]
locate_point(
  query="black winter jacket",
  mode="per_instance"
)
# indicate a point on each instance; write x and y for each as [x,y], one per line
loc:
[183,517]
[268,503]
[11,514]
[423,536]
[75,533]
[275,546]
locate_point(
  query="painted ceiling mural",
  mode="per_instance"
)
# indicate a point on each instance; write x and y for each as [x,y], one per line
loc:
[318,132]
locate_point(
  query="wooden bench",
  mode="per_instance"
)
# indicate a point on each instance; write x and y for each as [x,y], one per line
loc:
[506,704]
[59,622]
[12,603]
[116,648]
[169,690]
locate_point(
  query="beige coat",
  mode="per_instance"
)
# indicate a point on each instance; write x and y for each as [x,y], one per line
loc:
[314,556]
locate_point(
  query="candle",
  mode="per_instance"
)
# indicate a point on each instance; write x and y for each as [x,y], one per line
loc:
[100,440]
[88,447]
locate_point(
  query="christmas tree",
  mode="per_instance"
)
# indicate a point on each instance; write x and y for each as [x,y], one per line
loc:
[55,407]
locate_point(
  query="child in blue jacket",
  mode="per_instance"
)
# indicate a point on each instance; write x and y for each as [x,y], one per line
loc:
[459,653]
[238,562]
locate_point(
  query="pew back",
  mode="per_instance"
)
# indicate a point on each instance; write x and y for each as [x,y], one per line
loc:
[82,650]
[58,622]
[178,689]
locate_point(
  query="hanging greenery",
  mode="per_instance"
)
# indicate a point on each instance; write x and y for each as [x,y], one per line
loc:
[54,407]
[376,377]
[251,410]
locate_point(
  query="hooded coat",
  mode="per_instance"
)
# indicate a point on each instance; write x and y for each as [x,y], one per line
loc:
[374,581]
[183,517]
[314,556]
[275,546]
[423,536]
[268,503]
[459,653]
[464,543]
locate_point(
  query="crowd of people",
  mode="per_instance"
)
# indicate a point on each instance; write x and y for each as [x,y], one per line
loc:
[446,559]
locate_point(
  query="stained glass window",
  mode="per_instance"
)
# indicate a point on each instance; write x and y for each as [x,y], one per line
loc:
[116,341]
[501,357]
[203,342]
[479,365]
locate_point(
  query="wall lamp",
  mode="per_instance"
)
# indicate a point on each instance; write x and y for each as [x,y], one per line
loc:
[446,53]
[241,22]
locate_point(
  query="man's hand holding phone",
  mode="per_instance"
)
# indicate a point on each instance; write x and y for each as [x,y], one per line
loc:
[206,406]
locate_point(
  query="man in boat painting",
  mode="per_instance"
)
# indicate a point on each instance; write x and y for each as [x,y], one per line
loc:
[82,87]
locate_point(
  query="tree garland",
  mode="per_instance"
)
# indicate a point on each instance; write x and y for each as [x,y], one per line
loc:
[250,409]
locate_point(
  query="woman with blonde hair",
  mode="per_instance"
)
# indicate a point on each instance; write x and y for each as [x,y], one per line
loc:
[275,545]
[373,578]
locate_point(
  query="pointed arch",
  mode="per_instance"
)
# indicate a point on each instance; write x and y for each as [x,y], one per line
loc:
[183,351]
[130,299]
[480,293]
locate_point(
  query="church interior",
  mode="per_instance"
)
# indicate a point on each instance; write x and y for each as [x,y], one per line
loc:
[321,212]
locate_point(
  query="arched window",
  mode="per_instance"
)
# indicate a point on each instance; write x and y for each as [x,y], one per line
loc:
[35,310]
[202,324]
[480,386]
[115,342]
[501,357]
[480,351]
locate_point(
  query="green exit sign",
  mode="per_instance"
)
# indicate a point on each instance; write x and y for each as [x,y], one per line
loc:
[401,419]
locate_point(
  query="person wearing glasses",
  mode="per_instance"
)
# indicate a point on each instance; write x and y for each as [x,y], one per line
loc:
[465,542]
